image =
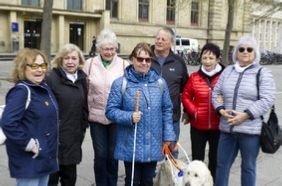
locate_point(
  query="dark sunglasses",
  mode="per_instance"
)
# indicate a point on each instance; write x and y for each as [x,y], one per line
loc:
[35,66]
[249,49]
[141,59]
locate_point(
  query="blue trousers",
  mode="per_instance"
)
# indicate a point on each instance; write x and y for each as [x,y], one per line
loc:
[104,142]
[41,181]
[228,147]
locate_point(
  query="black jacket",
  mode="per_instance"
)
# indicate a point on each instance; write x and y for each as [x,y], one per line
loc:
[174,71]
[73,116]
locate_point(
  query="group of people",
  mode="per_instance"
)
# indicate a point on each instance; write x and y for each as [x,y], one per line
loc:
[132,109]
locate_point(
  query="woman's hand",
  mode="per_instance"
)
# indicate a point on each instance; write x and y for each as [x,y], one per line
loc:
[35,149]
[220,99]
[136,116]
[227,114]
[238,119]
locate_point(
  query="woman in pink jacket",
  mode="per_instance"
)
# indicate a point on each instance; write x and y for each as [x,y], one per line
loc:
[102,70]
[196,98]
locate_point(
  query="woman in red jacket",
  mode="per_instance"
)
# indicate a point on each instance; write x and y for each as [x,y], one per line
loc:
[196,98]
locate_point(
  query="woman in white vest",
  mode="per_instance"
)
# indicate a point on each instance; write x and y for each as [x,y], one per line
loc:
[102,70]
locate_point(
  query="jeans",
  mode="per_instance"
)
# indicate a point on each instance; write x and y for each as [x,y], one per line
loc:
[228,147]
[143,173]
[199,139]
[176,127]
[104,142]
[42,181]
[66,174]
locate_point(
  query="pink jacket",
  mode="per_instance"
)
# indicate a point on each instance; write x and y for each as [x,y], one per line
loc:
[100,82]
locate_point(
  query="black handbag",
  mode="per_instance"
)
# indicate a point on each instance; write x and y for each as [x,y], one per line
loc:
[271,134]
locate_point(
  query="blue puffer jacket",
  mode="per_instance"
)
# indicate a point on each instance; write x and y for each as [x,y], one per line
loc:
[155,125]
[240,94]
[39,121]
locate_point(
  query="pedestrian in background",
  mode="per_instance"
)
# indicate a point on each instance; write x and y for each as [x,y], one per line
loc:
[92,52]
[173,69]
[196,98]
[31,126]
[153,120]
[102,70]
[68,83]
[240,122]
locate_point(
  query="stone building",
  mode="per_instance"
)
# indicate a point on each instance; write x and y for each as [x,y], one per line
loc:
[133,21]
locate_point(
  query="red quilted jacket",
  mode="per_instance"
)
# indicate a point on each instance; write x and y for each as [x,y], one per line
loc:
[196,98]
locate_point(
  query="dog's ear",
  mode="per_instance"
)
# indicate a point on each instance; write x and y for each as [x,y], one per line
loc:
[209,180]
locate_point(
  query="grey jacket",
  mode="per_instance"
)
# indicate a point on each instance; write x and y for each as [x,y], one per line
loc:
[240,94]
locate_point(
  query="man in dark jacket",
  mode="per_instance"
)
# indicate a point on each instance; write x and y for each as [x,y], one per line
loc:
[173,69]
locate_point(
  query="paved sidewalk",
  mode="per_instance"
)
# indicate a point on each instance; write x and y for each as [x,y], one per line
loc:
[269,168]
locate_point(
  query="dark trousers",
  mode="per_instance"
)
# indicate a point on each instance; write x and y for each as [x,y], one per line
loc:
[104,142]
[199,139]
[66,174]
[143,173]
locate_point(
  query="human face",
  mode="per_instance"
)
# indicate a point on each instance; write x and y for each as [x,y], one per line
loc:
[209,60]
[108,52]
[71,62]
[35,75]
[163,41]
[142,62]
[246,57]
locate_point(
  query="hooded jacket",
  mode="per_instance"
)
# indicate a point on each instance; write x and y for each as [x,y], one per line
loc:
[155,125]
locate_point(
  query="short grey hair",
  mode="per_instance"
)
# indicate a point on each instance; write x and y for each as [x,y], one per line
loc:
[105,37]
[168,30]
[247,40]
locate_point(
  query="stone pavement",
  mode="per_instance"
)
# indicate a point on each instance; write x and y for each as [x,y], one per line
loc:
[269,167]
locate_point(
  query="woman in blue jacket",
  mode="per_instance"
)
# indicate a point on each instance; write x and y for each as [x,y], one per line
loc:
[153,120]
[31,126]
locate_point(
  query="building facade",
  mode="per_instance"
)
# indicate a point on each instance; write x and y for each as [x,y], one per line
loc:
[133,21]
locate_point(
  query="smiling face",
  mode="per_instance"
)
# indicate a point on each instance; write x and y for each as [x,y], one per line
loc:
[108,52]
[209,60]
[35,75]
[70,62]
[245,54]
[142,62]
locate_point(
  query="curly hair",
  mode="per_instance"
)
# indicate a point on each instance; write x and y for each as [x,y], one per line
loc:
[25,56]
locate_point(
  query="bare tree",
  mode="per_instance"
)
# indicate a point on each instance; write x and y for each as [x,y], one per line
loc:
[231,8]
[45,45]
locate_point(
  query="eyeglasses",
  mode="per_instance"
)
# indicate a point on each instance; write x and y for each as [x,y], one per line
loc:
[242,49]
[108,49]
[35,66]
[141,59]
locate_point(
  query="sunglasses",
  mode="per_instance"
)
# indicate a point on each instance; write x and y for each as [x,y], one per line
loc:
[242,49]
[141,59]
[35,66]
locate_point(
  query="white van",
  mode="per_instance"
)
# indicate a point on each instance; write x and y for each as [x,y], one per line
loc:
[186,44]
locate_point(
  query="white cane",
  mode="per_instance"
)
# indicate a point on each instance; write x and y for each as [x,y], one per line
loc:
[134,142]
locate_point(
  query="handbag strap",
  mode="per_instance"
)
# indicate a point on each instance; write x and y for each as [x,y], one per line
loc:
[257,79]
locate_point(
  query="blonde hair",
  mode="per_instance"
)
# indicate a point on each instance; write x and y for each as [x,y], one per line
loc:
[25,56]
[64,51]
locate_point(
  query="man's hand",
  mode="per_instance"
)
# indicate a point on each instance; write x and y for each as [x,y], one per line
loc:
[185,118]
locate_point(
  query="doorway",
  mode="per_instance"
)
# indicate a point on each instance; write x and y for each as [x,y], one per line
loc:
[77,34]
[32,33]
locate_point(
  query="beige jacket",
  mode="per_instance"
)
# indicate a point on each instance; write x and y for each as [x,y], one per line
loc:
[100,82]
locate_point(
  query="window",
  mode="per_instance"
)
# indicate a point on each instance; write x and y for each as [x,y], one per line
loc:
[143,10]
[112,5]
[74,5]
[194,12]
[170,12]
[31,2]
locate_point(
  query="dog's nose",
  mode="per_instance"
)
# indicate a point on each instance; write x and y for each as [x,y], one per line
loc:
[187,184]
